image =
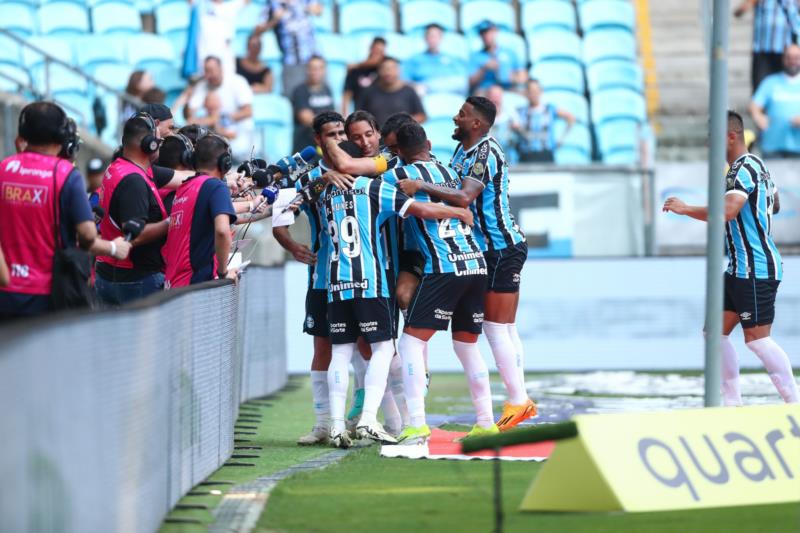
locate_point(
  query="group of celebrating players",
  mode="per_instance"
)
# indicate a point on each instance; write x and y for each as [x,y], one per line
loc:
[396,230]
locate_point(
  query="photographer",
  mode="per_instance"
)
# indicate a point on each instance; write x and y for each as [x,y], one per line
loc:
[199,236]
[42,193]
[130,192]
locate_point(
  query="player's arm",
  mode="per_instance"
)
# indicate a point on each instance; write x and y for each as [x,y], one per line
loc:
[744,7]
[733,204]
[437,211]
[356,166]
[776,203]
[4,276]
[299,251]
[463,197]
[570,119]
[222,245]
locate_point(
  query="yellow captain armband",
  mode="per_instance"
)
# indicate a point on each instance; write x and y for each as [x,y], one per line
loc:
[381,165]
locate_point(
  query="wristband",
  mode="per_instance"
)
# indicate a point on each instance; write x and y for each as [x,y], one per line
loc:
[381,165]
[222,275]
[113,249]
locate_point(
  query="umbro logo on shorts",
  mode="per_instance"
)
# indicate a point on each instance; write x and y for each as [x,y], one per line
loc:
[309,321]
[745,316]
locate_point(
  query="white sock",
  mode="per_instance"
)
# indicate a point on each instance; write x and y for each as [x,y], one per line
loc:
[375,380]
[392,420]
[478,380]
[731,395]
[411,351]
[505,358]
[319,392]
[396,386]
[778,367]
[425,356]
[338,380]
[514,334]
[359,369]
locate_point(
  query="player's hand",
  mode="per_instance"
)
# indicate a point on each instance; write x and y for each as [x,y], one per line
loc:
[465,216]
[303,254]
[409,187]
[675,205]
[796,121]
[233,273]
[123,248]
[342,181]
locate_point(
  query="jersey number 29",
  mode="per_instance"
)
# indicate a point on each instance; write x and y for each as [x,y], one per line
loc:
[347,233]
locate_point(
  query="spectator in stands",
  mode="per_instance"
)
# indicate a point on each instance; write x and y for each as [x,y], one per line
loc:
[361,75]
[309,99]
[776,25]
[776,108]
[154,96]
[504,119]
[432,71]
[236,100]
[389,94]
[215,119]
[199,239]
[295,31]
[494,64]
[217,30]
[31,181]
[4,277]
[250,67]
[139,82]
[163,117]
[389,130]
[536,136]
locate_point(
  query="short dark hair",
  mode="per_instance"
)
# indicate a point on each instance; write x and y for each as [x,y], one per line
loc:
[411,136]
[42,123]
[316,56]
[154,96]
[169,155]
[208,150]
[193,132]
[484,107]
[213,58]
[434,25]
[326,117]
[360,116]
[386,59]
[350,148]
[735,123]
[134,131]
[378,40]
[394,122]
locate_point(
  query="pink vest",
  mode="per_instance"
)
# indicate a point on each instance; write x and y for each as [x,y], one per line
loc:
[27,218]
[109,230]
[177,251]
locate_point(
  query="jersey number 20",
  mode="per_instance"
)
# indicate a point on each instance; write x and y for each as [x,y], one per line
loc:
[447,232]
[347,233]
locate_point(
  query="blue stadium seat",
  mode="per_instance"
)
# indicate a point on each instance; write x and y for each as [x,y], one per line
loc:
[13,77]
[440,133]
[169,79]
[62,19]
[554,43]
[607,14]
[59,79]
[172,16]
[270,52]
[19,18]
[475,12]
[604,44]
[361,16]
[505,39]
[81,3]
[10,51]
[78,106]
[514,101]
[414,16]
[442,106]
[115,75]
[336,74]
[277,77]
[453,44]
[559,74]
[335,48]
[621,135]
[538,14]
[615,73]
[177,39]
[324,22]
[617,103]
[110,134]
[116,17]
[150,52]
[94,50]
[272,115]
[397,45]
[578,137]
[570,155]
[627,156]
[57,47]
[569,101]
[248,17]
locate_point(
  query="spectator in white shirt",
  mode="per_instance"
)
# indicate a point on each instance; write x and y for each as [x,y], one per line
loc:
[217,31]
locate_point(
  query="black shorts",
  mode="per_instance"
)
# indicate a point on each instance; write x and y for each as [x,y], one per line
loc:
[413,262]
[316,322]
[444,298]
[370,318]
[752,299]
[505,266]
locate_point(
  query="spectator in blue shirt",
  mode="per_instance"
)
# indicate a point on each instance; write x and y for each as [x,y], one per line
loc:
[494,65]
[537,139]
[776,108]
[435,72]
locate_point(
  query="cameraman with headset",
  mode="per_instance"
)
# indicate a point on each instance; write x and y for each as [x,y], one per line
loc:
[130,193]
[41,191]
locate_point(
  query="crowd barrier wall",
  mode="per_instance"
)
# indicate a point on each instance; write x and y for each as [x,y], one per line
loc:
[109,418]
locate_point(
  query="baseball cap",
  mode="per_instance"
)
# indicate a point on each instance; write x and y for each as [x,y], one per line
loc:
[95,165]
[157,111]
[485,26]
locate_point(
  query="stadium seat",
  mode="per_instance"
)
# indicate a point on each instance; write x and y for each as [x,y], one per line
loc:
[19,18]
[270,52]
[453,44]
[570,101]
[606,14]
[116,17]
[627,156]
[10,51]
[558,74]
[360,16]
[62,19]
[553,43]
[336,74]
[505,39]
[570,155]
[617,103]
[604,44]
[538,14]
[617,135]
[442,106]
[324,22]
[614,73]
[59,80]
[78,106]
[172,16]
[440,133]
[177,39]
[579,136]
[54,46]
[515,101]
[335,48]
[248,15]
[115,75]
[169,79]
[150,52]
[414,16]
[475,12]
[13,77]
[272,115]
[94,50]
[397,45]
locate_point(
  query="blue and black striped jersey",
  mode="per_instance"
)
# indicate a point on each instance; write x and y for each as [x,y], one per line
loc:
[751,251]
[354,217]
[774,22]
[317,273]
[448,245]
[486,163]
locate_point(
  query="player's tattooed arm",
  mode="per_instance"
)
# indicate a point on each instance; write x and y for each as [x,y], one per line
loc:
[463,197]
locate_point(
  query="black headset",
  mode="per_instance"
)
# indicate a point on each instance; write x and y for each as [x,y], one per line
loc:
[188,150]
[150,142]
[67,134]
[224,161]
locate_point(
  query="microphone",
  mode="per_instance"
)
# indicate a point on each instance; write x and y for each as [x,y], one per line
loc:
[309,193]
[99,213]
[248,168]
[132,229]
[296,163]
[263,177]
[270,193]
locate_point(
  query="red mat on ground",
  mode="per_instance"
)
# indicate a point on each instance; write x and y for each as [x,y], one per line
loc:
[441,446]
